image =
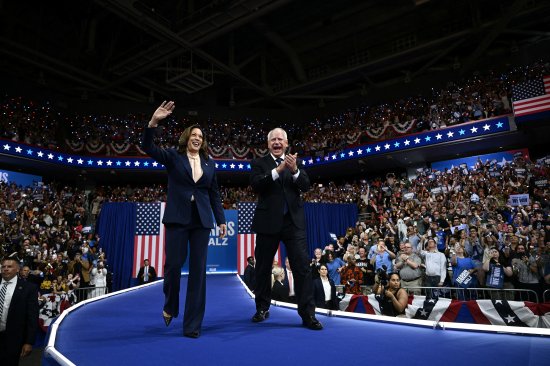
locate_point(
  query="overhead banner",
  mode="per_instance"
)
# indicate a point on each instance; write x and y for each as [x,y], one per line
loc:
[222,252]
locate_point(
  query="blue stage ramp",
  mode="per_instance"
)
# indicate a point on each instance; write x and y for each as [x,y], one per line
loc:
[127,328]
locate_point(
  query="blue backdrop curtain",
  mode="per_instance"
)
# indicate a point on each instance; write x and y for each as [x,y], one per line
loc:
[116,228]
[323,219]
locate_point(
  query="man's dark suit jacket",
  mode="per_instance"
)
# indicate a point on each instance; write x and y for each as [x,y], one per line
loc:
[22,322]
[181,186]
[152,275]
[268,217]
[250,277]
[319,295]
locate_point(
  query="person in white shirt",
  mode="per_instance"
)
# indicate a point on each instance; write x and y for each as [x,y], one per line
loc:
[436,265]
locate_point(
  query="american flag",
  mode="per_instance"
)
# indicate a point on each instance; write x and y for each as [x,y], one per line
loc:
[149,237]
[246,240]
[531,97]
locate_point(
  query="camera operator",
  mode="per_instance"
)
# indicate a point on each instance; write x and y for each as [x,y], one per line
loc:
[391,297]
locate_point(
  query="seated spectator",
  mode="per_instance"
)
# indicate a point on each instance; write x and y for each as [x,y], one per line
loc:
[279,292]
[324,291]
[352,277]
[392,298]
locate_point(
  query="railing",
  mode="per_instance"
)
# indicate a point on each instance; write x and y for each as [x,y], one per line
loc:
[85,293]
[458,293]
[546,296]
[476,293]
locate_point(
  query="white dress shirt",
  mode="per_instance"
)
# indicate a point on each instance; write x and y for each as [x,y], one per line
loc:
[7,301]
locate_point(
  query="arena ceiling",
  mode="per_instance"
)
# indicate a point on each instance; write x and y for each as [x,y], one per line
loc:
[278,54]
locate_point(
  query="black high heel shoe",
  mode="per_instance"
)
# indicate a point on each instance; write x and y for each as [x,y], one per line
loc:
[167,318]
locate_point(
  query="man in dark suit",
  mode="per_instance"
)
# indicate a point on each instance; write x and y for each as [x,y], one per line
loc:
[193,196]
[146,273]
[250,273]
[279,216]
[18,314]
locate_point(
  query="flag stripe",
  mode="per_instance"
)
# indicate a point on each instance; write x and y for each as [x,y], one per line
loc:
[151,245]
[532,97]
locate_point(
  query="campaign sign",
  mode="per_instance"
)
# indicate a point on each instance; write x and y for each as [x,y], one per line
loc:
[20,179]
[518,200]
[222,252]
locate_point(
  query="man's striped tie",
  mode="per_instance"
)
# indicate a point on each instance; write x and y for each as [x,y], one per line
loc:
[3,291]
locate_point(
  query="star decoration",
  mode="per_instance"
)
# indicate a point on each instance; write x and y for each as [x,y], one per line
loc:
[387,146]
[333,157]
[368,150]
[127,163]
[350,153]
[80,161]
[50,156]
[109,163]
[241,166]
[423,312]
[7,147]
[417,140]
[90,162]
[70,160]
[29,152]
[473,129]
[155,164]
[18,149]
[118,163]
[428,138]
[438,136]
[407,142]
[499,125]
[216,165]
[359,152]
[310,161]
[396,144]
[224,165]
[486,127]
[232,166]
[461,132]
[510,319]
[100,162]
[450,134]
[377,148]
[146,163]
[60,158]
[248,165]
[40,154]
[342,155]
[136,163]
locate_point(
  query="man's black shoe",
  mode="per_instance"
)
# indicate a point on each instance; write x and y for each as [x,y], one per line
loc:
[260,316]
[312,323]
[194,334]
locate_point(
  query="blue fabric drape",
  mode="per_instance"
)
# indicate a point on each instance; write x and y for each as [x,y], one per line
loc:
[116,228]
[325,218]
[322,219]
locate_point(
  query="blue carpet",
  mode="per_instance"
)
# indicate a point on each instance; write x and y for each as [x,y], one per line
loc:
[128,329]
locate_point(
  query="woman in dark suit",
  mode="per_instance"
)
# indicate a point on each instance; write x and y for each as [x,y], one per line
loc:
[322,287]
[192,197]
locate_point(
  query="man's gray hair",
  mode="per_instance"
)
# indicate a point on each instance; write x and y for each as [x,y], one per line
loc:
[276,129]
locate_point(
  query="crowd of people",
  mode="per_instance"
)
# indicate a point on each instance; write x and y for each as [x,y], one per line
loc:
[45,227]
[481,96]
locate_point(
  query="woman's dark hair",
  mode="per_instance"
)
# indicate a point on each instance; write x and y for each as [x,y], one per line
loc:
[184,139]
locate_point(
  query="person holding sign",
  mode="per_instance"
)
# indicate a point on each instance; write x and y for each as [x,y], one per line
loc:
[495,273]
[193,196]
[463,272]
